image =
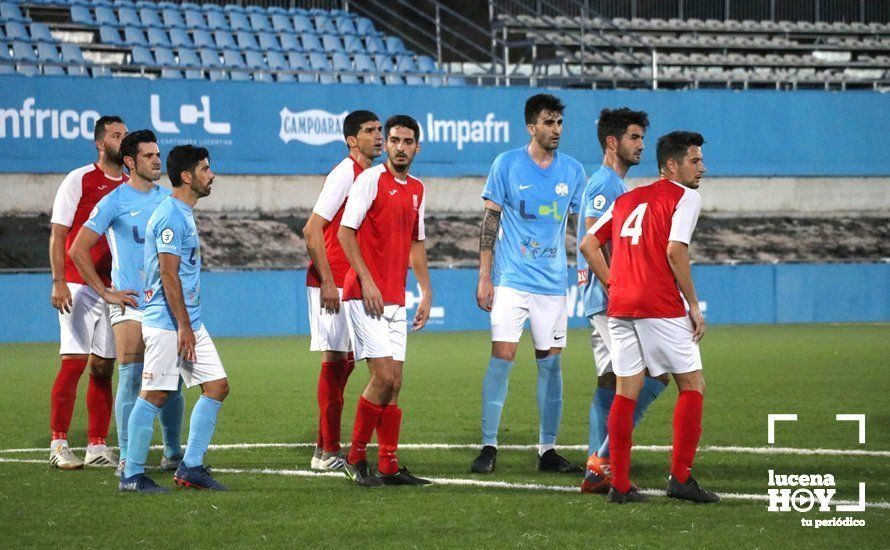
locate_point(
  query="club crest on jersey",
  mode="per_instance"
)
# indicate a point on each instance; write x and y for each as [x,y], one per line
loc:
[561,189]
[148,294]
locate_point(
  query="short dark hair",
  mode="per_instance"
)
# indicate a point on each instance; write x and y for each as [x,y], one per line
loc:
[542,102]
[404,121]
[614,122]
[184,158]
[102,125]
[675,145]
[354,120]
[130,144]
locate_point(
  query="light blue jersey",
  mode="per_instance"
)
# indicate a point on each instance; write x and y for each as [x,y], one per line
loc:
[122,215]
[171,230]
[603,188]
[530,254]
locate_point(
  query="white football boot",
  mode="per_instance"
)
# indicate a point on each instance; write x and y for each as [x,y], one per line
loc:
[61,457]
[100,456]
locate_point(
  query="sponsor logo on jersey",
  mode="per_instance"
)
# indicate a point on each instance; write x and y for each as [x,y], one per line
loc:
[561,189]
[312,127]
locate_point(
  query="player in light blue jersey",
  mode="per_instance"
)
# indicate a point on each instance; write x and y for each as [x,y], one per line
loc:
[176,342]
[122,216]
[620,133]
[529,195]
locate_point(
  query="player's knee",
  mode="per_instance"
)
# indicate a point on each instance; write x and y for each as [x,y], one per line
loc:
[102,369]
[221,389]
[606,381]
[128,357]
[664,378]
[504,354]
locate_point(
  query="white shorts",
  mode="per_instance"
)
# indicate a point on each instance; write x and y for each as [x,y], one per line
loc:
[163,366]
[661,345]
[601,343]
[330,331]
[129,314]
[546,313]
[374,338]
[86,329]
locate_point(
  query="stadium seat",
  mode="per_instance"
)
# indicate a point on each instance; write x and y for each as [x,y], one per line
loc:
[384,63]
[179,37]
[311,43]
[246,41]
[106,16]
[209,58]
[302,24]
[150,18]
[216,76]
[282,23]
[232,58]
[268,42]
[82,16]
[53,70]
[341,62]
[324,25]
[276,10]
[364,63]
[213,8]
[141,56]
[194,75]
[285,77]
[11,12]
[393,80]
[425,64]
[374,45]
[134,37]
[188,58]
[203,39]
[194,20]
[27,70]
[224,40]
[216,20]
[414,80]
[405,64]
[158,37]
[276,60]
[457,81]
[345,26]
[71,53]
[47,52]
[254,60]
[128,17]
[331,44]
[6,68]
[100,71]
[319,62]
[165,57]
[353,44]
[290,43]
[171,73]
[395,46]
[110,35]
[238,22]
[173,19]
[365,27]
[41,33]
[298,62]
[17,31]
[23,51]
[233,8]
[259,22]
[262,77]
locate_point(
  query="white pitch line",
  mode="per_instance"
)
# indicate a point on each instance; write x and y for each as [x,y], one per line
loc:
[460,482]
[475,446]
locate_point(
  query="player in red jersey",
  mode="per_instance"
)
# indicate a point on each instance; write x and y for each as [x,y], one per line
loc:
[382,232]
[86,336]
[650,229]
[324,283]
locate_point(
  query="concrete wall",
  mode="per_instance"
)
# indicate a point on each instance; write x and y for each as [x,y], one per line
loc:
[32,193]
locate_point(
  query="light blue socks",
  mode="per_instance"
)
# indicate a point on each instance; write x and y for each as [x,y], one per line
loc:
[549,400]
[201,428]
[652,388]
[171,422]
[494,393]
[599,415]
[129,382]
[140,428]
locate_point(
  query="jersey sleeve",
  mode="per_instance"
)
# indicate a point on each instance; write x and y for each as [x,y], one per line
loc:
[103,214]
[67,198]
[685,217]
[602,229]
[420,227]
[361,196]
[333,193]
[598,199]
[495,189]
[170,233]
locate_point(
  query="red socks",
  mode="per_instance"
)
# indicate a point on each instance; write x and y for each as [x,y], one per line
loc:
[687,432]
[388,439]
[621,425]
[367,416]
[99,406]
[331,384]
[63,396]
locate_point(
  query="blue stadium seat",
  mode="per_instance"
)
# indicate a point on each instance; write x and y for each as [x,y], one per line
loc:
[353,44]
[425,64]
[203,39]
[171,73]
[364,63]
[106,16]
[395,46]
[110,35]
[82,16]
[165,57]
[282,23]
[23,51]
[134,37]
[100,71]
[209,58]
[41,33]
[216,20]
[211,8]
[158,37]
[53,70]
[393,80]
[262,77]
[150,18]
[173,18]
[345,26]
[167,6]
[319,62]
[259,22]
[11,12]
[6,68]
[276,60]
[194,75]
[331,44]
[365,27]
[254,60]
[246,41]
[77,70]
[290,43]
[405,64]
[269,42]
[232,58]
[384,63]
[457,81]
[302,24]
[128,17]
[276,10]
[224,40]
[47,52]
[188,58]
[238,75]
[27,70]
[349,79]
[17,31]
[179,37]
[414,80]
[141,55]
[341,62]
[311,43]
[230,8]
[216,76]
[373,44]
[194,19]
[72,53]
[189,6]
[297,62]
[238,22]
[323,24]
[285,77]
[434,81]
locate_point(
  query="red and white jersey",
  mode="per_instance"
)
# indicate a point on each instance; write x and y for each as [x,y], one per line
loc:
[329,206]
[77,196]
[388,215]
[639,224]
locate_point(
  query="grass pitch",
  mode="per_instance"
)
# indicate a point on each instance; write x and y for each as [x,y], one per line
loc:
[814,371]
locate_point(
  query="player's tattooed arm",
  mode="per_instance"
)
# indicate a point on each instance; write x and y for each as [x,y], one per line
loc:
[491,224]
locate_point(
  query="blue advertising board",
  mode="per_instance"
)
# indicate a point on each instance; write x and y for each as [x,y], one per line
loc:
[46,124]
[273,303]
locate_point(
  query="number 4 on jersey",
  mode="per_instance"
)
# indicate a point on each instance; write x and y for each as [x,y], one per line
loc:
[633,225]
